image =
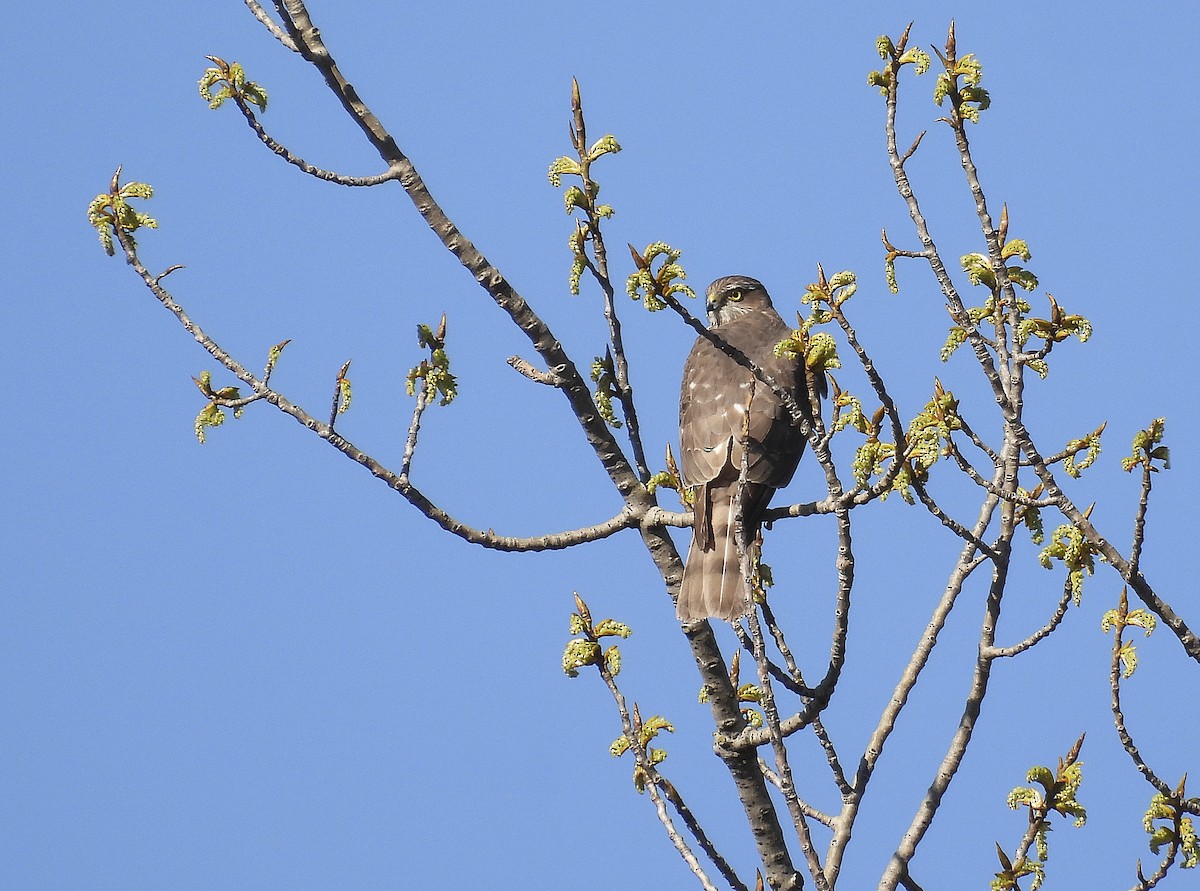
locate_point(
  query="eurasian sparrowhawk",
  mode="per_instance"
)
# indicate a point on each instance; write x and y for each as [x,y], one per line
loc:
[722,405]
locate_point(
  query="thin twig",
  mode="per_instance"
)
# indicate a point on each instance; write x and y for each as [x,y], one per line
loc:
[1127,743]
[780,674]
[877,384]
[599,270]
[270,24]
[979,480]
[630,730]
[978,440]
[330,176]
[968,562]
[831,756]
[697,831]
[949,522]
[1144,883]
[781,643]
[629,517]
[1041,634]
[1139,520]
[1132,575]
[548,378]
[414,428]
[786,782]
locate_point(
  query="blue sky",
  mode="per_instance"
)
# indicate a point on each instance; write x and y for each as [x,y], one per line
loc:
[249,664]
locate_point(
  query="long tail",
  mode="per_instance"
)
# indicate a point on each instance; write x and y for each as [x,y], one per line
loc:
[713,586]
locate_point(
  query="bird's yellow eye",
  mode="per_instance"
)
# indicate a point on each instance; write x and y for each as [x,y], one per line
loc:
[735,296]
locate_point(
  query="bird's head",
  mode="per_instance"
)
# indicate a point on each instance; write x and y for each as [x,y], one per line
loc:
[733,296]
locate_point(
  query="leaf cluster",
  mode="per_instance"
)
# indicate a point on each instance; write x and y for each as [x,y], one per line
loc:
[434,372]
[1077,553]
[213,413]
[1058,794]
[584,195]
[652,286]
[646,731]
[1121,618]
[1090,444]
[586,649]
[111,210]
[1179,830]
[896,58]
[604,376]
[670,479]
[926,442]
[1148,448]
[968,98]
[230,78]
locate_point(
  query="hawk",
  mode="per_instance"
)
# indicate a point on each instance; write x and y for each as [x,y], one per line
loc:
[721,406]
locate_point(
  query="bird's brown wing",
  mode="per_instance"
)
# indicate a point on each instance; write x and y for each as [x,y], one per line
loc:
[714,397]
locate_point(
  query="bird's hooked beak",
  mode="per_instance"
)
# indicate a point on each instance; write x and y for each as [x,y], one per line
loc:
[710,307]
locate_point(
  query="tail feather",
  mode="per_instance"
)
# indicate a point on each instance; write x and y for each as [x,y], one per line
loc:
[713,585]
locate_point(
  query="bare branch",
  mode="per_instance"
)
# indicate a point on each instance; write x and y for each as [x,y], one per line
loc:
[1132,575]
[877,383]
[1146,883]
[908,154]
[548,378]
[777,633]
[778,673]
[1041,634]
[978,441]
[968,562]
[806,509]
[770,774]
[1127,743]
[978,479]
[831,756]
[599,271]
[957,308]
[574,387]
[414,429]
[698,833]
[173,268]
[652,786]
[629,517]
[339,179]
[786,784]
[958,745]
[950,523]
[751,788]
[270,24]
[1139,520]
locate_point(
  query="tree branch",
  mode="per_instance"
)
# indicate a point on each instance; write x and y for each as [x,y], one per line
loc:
[630,729]
[1039,635]
[967,563]
[1127,743]
[270,24]
[599,271]
[311,46]
[629,517]
[282,151]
